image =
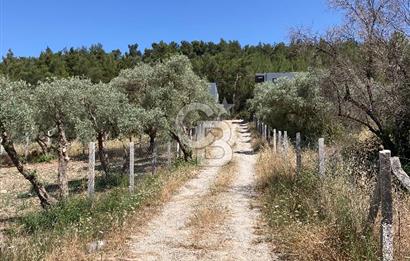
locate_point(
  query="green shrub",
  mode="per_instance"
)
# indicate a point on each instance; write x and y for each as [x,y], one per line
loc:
[111,180]
[64,213]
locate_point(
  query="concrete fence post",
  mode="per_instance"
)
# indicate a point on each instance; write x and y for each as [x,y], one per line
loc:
[298,154]
[195,150]
[91,169]
[274,141]
[131,177]
[280,141]
[200,137]
[48,139]
[321,157]
[169,154]
[27,147]
[263,131]
[386,205]
[257,125]
[178,149]
[266,132]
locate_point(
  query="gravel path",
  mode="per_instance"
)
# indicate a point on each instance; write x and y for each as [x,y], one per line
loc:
[167,236]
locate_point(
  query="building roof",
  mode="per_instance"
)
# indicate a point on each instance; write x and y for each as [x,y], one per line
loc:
[276,75]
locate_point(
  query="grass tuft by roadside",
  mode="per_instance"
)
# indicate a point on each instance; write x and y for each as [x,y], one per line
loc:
[315,218]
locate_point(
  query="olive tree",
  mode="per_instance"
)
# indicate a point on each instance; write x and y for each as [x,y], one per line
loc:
[294,105]
[161,90]
[57,105]
[137,84]
[16,119]
[105,108]
[182,87]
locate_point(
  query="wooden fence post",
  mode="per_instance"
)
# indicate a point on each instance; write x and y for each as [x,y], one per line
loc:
[298,154]
[274,141]
[386,205]
[91,169]
[321,157]
[285,142]
[131,177]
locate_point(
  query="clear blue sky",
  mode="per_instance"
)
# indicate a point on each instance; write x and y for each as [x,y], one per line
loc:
[29,26]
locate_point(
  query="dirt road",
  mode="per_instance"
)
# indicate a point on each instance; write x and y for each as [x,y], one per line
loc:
[233,230]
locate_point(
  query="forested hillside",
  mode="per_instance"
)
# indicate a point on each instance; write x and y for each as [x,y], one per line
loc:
[228,63]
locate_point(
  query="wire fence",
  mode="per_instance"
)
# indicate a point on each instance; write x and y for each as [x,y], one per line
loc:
[382,198]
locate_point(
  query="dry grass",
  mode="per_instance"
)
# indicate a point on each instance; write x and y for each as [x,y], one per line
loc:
[324,218]
[401,221]
[70,242]
[257,143]
[116,237]
[224,179]
[16,197]
[313,218]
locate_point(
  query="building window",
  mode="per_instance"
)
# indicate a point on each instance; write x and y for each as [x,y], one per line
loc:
[259,78]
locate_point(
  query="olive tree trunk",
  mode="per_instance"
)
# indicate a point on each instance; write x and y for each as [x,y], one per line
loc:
[63,159]
[186,150]
[102,153]
[152,134]
[42,141]
[45,199]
